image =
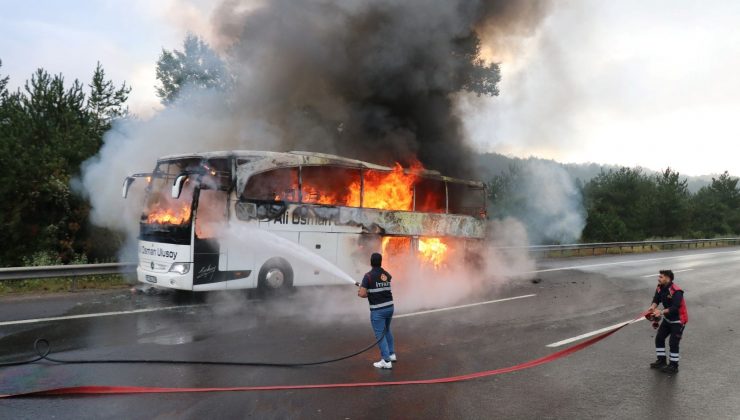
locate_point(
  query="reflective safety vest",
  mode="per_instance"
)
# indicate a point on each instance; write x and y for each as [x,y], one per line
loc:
[378,284]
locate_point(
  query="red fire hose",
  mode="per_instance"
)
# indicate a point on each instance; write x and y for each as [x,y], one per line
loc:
[102,389]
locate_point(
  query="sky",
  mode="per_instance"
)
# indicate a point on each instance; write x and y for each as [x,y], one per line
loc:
[633,83]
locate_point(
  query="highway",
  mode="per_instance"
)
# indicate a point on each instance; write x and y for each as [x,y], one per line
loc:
[557,305]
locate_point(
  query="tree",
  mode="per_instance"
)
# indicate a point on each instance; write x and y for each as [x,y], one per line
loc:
[715,208]
[476,76]
[196,66]
[670,216]
[106,103]
[46,131]
[3,83]
[619,205]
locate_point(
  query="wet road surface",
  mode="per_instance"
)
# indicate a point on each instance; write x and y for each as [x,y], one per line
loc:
[571,297]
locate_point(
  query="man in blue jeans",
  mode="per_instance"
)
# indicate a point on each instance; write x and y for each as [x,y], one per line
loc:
[376,287]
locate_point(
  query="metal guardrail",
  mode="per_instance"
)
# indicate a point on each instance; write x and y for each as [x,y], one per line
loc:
[22,273]
[623,246]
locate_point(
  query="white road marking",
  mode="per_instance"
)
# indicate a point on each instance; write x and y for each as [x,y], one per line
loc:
[460,306]
[674,272]
[625,262]
[61,318]
[592,333]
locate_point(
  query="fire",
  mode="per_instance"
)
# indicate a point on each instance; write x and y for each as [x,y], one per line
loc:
[432,250]
[392,190]
[386,190]
[395,245]
[174,216]
[315,196]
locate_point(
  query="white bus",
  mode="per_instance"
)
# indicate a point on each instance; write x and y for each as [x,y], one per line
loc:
[220,220]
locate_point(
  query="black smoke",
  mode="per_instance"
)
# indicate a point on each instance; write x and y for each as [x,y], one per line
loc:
[371,79]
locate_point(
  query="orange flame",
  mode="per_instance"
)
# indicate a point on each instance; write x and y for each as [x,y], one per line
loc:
[392,190]
[432,250]
[315,196]
[395,245]
[387,190]
[174,216]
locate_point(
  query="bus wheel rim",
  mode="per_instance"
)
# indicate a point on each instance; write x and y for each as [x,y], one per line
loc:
[275,278]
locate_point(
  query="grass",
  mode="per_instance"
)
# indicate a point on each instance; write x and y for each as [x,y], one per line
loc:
[63,284]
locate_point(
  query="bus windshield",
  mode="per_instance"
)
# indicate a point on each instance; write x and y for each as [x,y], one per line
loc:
[167,219]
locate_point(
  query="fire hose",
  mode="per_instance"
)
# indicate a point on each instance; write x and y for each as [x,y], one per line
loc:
[106,389]
[43,354]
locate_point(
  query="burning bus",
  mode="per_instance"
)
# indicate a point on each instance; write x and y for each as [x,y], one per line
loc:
[220,220]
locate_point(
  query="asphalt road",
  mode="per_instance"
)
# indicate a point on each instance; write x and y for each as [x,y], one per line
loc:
[572,297]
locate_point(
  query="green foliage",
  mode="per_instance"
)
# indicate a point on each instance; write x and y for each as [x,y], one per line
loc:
[106,103]
[715,209]
[3,84]
[477,77]
[197,66]
[627,205]
[46,131]
[671,215]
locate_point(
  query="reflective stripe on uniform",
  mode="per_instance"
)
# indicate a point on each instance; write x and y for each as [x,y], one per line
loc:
[381,305]
[378,289]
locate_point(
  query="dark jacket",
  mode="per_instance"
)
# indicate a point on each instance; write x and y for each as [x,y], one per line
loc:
[671,297]
[378,284]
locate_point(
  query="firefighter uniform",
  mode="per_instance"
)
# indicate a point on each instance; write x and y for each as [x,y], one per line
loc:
[674,322]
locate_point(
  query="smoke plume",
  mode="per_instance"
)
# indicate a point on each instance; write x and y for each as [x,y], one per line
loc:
[374,80]
[366,79]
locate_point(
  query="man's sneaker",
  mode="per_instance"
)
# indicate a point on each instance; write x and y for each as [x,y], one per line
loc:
[393,357]
[670,369]
[658,364]
[382,364]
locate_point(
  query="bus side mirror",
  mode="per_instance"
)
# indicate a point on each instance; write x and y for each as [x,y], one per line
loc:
[177,187]
[126,184]
[246,211]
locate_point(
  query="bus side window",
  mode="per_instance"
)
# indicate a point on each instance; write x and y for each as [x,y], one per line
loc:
[466,199]
[330,185]
[276,185]
[430,196]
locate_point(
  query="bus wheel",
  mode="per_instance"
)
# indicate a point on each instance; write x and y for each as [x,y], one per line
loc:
[275,275]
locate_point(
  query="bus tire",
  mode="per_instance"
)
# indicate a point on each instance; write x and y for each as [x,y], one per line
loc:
[275,276]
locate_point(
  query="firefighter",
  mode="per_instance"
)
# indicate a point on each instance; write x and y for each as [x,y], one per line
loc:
[675,317]
[376,288]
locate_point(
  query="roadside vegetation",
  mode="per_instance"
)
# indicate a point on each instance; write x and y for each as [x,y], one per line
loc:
[627,204]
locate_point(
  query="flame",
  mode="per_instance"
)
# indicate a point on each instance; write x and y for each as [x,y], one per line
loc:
[369,188]
[315,196]
[395,245]
[432,250]
[386,190]
[174,216]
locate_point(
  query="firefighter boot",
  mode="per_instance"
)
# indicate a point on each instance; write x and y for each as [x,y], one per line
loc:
[671,368]
[658,364]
